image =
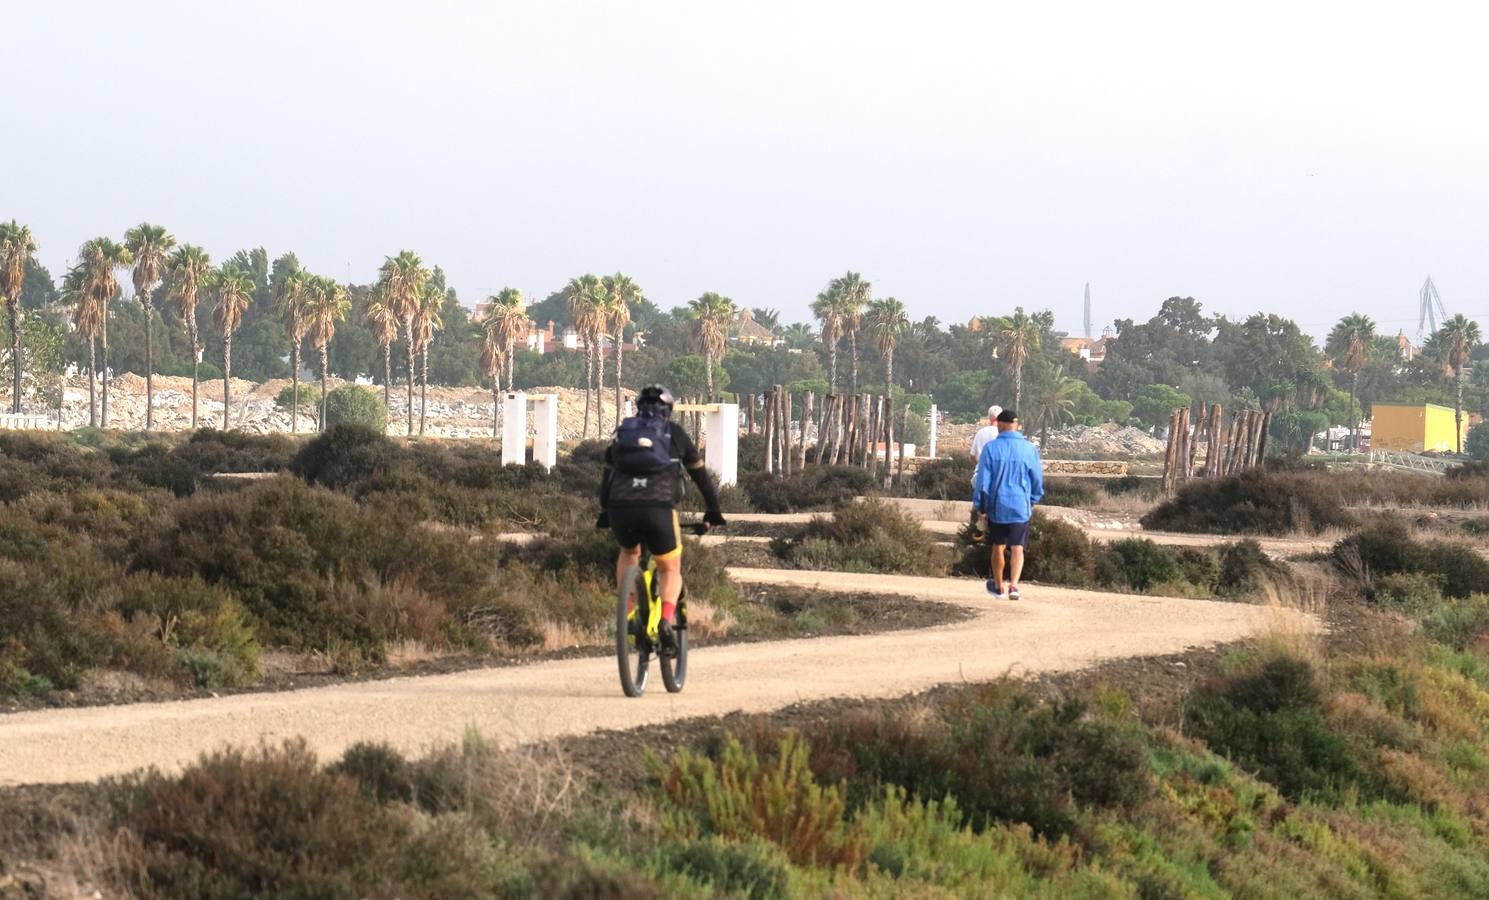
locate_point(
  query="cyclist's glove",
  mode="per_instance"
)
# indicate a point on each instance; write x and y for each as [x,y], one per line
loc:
[603,521]
[714,518]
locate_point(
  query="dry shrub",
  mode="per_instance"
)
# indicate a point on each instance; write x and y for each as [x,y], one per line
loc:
[1253,502]
[707,622]
[869,536]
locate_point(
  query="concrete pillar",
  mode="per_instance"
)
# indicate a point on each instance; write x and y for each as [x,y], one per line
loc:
[514,429]
[721,454]
[545,426]
[932,441]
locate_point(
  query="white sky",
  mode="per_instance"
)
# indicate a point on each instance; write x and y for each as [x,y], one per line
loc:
[1305,158]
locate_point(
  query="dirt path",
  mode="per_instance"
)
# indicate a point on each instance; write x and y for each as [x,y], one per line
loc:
[1052,629]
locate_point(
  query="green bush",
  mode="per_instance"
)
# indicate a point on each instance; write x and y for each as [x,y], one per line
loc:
[1270,720]
[812,488]
[1058,553]
[1459,622]
[755,869]
[944,478]
[1139,564]
[1245,569]
[352,404]
[1476,444]
[309,395]
[872,535]
[346,455]
[1387,548]
[1253,502]
[1068,492]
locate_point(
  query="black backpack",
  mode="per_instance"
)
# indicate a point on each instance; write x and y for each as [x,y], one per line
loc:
[642,445]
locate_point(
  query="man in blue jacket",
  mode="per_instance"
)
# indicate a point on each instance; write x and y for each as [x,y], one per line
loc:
[1009,481]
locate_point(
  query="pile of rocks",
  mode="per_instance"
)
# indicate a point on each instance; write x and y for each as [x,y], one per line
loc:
[1108,439]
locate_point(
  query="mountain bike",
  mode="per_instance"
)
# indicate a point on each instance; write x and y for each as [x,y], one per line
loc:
[636,638]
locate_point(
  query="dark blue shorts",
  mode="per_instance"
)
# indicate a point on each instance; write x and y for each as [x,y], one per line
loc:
[1008,534]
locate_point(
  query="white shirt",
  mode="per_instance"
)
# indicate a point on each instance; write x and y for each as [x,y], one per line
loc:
[985,435]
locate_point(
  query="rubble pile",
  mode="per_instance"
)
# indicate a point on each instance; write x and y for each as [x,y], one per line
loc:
[1108,439]
[452,412]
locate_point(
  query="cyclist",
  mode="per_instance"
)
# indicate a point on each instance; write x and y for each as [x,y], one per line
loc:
[641,488]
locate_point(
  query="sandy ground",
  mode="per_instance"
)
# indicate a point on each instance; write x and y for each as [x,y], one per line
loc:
[1051,629]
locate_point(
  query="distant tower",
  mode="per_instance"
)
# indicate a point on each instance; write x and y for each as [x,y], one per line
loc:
[1088,310]
[1432,308]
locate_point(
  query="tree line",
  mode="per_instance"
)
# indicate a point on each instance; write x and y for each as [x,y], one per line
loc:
[190,316]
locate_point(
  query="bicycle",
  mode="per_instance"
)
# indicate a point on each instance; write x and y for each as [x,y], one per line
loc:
[635,646]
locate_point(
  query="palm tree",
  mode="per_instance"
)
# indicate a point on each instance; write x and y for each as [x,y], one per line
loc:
[850,296]
[799,336]
[100,261]
[1017,336]
[189,272]
[493,356]
[767,317]
[426,322]
[1053,401]
[233,286]
[1351,343]
[825,308]
[585,297]
[151,247]
[1455,340]
[383,321]
[86,320]
[290,284]
[887,322]
[622,292]
[17,246]
[326,304]
[712,315]
[505,324]
[401,281]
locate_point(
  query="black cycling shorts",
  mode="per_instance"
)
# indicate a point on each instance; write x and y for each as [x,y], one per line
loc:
[655,526]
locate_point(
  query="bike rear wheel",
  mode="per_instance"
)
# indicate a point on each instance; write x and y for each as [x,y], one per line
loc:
[675,668]
[633,655]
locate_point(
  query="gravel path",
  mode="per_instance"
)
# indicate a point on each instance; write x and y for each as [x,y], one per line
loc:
[1051,629]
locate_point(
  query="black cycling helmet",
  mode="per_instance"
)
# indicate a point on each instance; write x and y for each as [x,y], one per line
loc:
[655,400]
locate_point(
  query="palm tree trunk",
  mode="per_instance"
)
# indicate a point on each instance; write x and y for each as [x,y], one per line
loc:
[408,327]
[92,382]
[832,357]
[512,365]
[1354,417]
[708,375]
[889,419]
[423,387]
[295,385]
[1018,387]
[103,418]
[496,381]
[619,365]
[196,363]
[1458,413]
[853,349]
[325,367]
[387,376]
[149,365]
[600,389]
[227,377]
[589,364]
[15,352]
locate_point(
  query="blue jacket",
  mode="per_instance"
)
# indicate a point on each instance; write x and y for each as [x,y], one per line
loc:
[1009,479]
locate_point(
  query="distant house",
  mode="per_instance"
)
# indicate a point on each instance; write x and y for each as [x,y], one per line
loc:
[748,331]
[1414,428]
[1405,348]
[1092,350]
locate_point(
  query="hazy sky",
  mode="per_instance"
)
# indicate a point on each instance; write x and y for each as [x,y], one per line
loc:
[1307,158]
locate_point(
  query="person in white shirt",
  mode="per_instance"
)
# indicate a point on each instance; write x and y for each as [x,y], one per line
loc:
[984,436]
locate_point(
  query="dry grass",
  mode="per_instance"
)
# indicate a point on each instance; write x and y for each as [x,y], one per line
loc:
[564,636]
[1132,504]
[708,622]
[407,653]
[1295,613]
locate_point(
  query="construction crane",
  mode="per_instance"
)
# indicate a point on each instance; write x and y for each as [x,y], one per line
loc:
[1432,309]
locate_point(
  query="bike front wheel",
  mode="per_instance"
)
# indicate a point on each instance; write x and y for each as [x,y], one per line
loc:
[632,651]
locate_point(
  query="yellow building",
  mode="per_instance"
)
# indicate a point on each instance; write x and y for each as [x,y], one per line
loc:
[1423,428]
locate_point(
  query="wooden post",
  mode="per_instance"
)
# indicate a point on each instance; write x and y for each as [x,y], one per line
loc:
[787,437]
[767,421]
[782,426]
[1261,441]
[1194,436]
[1169,452]
[806,419]
[1215,451]
[904,429]
[1233,454]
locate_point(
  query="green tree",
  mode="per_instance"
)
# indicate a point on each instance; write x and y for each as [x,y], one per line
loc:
[505,324]
[1272,357]
[1349,345]
[428,319]
[712,315]
[326,303]
[151,246]
[38,291]
[1477,444]
[825,308]
[233,287]
[1157,402]
[586,299]
[100,261]
[290,285]
[188,274]
[1018,336]
[17,247]
[401,281]
[1052,399]
[691,375]
[850,294]
[888,323]
[382,319]
[799,336]
[1452,345]
[622,293]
